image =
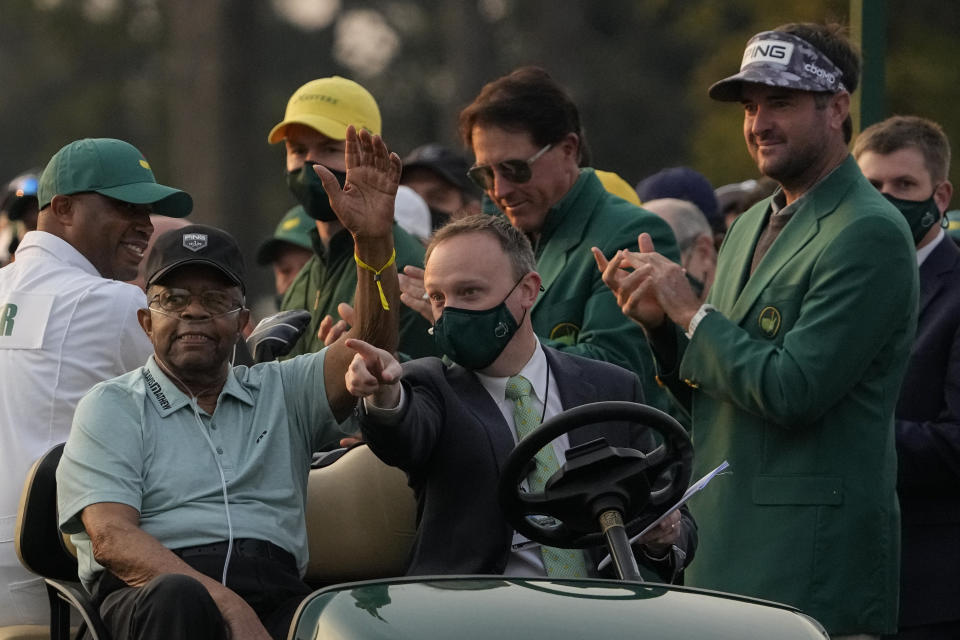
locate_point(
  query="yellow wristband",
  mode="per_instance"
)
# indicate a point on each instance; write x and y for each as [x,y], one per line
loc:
[376,275]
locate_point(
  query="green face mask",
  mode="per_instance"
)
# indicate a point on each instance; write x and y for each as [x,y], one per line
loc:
[474,338]
[920,214]
[306,187]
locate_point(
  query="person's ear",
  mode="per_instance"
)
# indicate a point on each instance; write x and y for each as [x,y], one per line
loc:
[529,289]
[942,195]
[570,144]
[839,109]
[146,322]
[243,318]
[62,210]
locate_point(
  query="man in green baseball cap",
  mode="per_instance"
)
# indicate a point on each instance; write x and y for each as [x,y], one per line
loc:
[66,323]
[288,249]
[97,194]
[112,168]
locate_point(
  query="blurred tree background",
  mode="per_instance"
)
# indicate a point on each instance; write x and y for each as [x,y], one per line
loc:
[197,84]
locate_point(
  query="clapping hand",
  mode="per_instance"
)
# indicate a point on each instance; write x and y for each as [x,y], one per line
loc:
[412,292]
[648,286]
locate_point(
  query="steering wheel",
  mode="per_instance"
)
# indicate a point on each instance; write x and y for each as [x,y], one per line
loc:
[596,477]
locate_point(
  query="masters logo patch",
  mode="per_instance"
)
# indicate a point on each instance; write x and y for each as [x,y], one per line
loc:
[769,321]
[565,333]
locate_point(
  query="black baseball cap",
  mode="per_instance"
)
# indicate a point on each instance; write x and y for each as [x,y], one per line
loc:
[20,195]
[196,244]
[448,164]
[683,183]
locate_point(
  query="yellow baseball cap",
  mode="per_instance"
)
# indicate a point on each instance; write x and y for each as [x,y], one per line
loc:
[329,105]
[617,186]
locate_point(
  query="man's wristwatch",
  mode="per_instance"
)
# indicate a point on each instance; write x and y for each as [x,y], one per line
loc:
[697,317]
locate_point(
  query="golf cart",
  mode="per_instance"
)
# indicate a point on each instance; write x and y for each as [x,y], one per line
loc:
[602,494]
[361,524]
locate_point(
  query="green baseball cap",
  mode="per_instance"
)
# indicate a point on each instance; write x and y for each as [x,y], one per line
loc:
[112,168]
[294,228]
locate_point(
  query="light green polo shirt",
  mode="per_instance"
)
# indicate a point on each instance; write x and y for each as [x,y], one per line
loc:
[136,440]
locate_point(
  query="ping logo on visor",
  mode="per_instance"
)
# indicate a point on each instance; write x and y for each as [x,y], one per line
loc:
[772,51]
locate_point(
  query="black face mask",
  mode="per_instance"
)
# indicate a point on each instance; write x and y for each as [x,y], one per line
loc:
[438,218]
[306,187]
[920,214]
[475,338]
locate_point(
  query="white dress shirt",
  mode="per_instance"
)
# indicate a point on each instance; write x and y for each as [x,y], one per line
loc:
[924,253]
[63,328]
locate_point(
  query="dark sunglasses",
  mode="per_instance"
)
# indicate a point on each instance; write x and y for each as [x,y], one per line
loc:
[516,171]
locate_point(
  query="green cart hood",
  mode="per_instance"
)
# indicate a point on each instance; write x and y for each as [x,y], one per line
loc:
[469,608]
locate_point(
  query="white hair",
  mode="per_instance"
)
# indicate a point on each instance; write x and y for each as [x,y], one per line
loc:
[684,217]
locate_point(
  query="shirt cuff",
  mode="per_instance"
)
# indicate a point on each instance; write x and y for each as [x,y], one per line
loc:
[697,317]
[384,414]
[654,556]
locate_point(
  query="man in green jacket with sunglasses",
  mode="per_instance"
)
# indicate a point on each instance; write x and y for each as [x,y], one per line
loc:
[525,133]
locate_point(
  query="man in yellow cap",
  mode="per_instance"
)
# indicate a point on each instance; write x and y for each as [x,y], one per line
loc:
[313,130]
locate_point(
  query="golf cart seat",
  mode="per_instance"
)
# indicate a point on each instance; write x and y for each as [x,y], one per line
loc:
[25,632]
[361,519]
[43,550]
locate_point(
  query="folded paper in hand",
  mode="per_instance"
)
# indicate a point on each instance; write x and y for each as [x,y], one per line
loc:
[694,488]
[689,493]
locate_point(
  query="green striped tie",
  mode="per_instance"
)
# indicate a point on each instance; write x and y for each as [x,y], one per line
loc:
[559,563]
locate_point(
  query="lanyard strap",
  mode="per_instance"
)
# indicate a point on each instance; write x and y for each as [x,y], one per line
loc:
[376,275]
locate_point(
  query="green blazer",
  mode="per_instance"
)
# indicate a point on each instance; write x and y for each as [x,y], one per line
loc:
[577,313]
[794,381]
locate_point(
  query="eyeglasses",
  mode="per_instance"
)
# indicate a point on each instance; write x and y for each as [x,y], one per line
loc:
[516,171]
[177,300]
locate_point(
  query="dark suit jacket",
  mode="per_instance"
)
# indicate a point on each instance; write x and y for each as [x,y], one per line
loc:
[452,441]
[928,448]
